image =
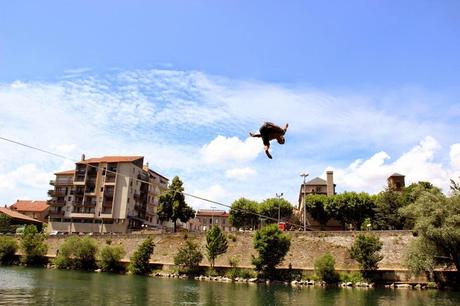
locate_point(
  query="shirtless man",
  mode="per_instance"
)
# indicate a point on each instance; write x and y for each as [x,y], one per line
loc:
[269,131]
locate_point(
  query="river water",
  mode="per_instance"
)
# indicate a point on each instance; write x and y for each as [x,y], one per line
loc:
[36,286]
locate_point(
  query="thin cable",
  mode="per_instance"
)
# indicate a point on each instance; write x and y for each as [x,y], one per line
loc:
[142,181]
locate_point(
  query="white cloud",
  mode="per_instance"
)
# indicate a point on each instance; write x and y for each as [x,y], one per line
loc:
[167,116]
[455,156]
[223,149]
[214,192]
[417,165]
[240,173]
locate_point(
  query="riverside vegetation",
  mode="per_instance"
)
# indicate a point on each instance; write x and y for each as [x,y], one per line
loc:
[422,207]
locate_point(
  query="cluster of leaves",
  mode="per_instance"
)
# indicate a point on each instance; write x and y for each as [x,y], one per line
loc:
[140,261]
[216,244]
[7,225]
[325,269]
[243,212]
[437,224]
[365,250]
[172,205]
[8,247]
[272,246]
[110,257]
[188,258]
[382,211]
[33,246]
[347,208]
[77,253]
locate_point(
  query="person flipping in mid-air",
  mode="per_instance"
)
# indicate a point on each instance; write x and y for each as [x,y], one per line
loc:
[269,131]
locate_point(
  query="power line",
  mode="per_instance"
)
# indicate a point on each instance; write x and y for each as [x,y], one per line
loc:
[142,181]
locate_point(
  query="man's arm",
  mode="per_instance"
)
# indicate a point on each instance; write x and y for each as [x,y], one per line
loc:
[255,135]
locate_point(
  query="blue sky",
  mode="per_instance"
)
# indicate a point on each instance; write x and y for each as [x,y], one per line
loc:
[368,87]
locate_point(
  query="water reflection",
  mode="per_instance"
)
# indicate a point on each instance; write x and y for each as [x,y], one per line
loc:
[22,286]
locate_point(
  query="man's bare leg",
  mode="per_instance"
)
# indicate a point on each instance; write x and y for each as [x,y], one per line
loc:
[266,148]
[286,127]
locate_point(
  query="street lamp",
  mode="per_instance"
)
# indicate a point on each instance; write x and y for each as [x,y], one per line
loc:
[304,175]
[279,205]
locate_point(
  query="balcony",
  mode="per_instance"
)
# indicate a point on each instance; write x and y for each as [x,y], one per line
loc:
[110,178]
[64,181]
[57,213]
[52,182]
[51,193]
[89,203]
[59,202]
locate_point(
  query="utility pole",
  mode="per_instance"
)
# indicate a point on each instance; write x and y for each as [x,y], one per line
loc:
[279,205]
[304,175]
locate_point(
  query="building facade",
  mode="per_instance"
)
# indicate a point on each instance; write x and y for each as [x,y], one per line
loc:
[106,194]
[396,182]
[317,186]
[204,219]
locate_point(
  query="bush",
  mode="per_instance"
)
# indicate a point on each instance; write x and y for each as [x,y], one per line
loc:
[32,246]
[8,247]
[140,261]
[110,258]
[232,237]
[188,258]
[272,245]
[354,277]
[77,253]
[325,269]
[365,251]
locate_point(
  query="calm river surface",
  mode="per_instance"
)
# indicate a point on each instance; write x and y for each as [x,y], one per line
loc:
[34,286]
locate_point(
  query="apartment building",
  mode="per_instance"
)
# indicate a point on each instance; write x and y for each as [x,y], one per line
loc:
[105,194]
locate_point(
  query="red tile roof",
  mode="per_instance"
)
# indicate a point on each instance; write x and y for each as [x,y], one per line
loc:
[67,172]
[210,213]
[111,159]
[29,206]
[18,216]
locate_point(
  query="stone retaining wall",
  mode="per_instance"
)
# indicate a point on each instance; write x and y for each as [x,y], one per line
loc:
[306,247]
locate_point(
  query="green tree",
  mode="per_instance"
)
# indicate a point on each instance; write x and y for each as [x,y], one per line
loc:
[110,257]
[188,258]
[272,245]
[140,261]
[419,257]
[365,250]
[270,208]
[325,269]
[77,253]
[172,205]
[216,244]
[8,247]
[33,246]
[243,213]
[318,207]
[387,215]
[6,224]
[352,208]
[437,224]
